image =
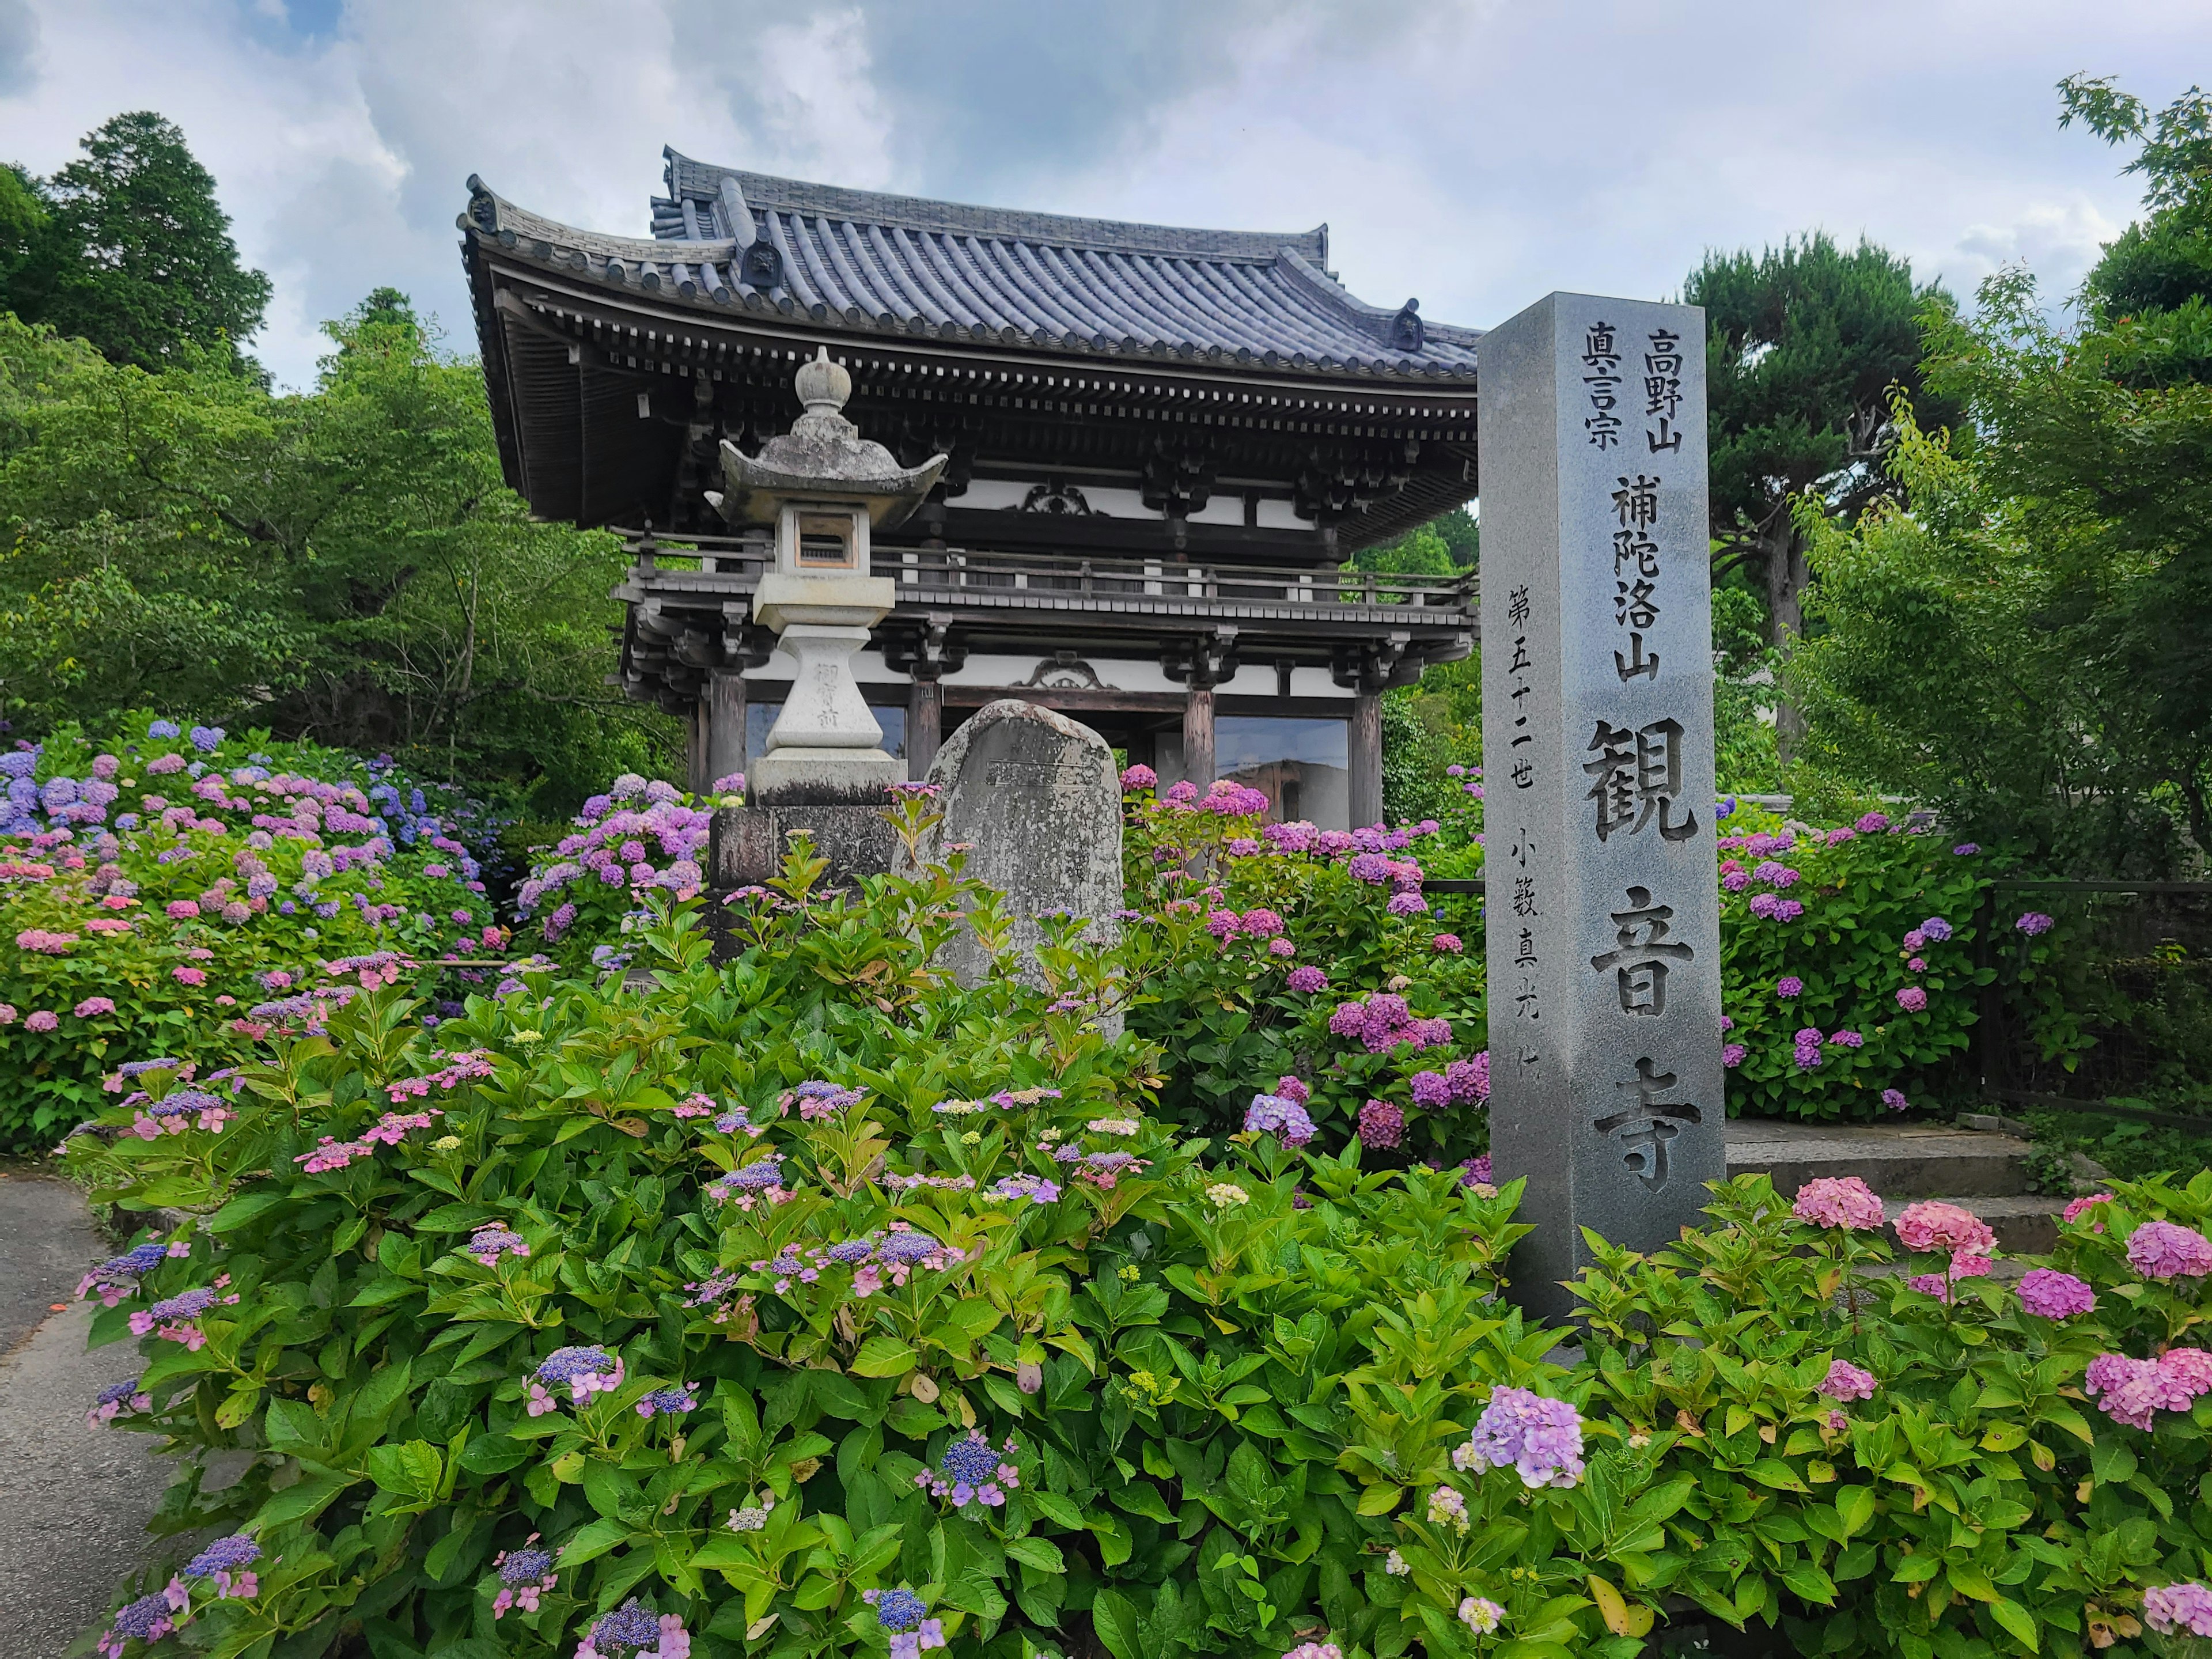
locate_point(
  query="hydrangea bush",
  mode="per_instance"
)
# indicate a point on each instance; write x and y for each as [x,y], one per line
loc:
[154,894]
[813,1304]
[1257,950]
[591,889]
[1848,967]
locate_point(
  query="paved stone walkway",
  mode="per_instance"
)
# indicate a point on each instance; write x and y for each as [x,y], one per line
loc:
[74,1501]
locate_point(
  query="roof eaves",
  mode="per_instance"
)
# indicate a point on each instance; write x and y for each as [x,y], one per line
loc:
[656,266]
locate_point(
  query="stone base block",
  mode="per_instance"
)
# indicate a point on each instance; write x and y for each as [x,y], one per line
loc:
[793,777]
[746,844]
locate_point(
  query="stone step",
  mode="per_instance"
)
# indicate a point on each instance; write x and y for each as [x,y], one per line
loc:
[1903,1161]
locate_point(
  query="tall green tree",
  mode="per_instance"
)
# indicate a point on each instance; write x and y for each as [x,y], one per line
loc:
[2032,643]
[343,564]
[1804,344]
[131,251]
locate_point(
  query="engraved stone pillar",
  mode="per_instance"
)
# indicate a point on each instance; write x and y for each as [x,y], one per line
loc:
[1364,754]
[724,702]
[1198,736]
[1602,913]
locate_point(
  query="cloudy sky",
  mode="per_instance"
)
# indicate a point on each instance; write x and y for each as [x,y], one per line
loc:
[1473,153]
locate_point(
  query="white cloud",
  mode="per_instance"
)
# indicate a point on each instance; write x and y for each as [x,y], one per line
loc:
[1476,155]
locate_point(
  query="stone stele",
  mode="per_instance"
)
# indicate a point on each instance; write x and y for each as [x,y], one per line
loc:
[1035,797]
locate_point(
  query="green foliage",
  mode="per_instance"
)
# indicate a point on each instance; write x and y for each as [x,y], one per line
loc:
[589,887]
[343,565]
[1231,1385]
[1445,546]
[201,882]
[2029,644]
[1973,1503]
[131,253]
[1805,344]
[1215,932]
[1866,895]
[2165,261]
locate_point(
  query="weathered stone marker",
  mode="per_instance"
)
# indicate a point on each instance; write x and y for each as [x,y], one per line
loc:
[1035,797]
[1602,912]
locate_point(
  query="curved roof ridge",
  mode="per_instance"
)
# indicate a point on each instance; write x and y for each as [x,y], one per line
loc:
[764,192]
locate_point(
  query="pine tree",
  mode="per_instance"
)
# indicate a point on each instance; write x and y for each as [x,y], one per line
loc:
[1804,344]
[134,254]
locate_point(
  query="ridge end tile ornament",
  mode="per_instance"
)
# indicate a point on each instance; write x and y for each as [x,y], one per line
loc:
[823,488]
[1604,918]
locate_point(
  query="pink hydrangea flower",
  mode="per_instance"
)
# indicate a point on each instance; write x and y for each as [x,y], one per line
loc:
[94,1006]
[1846,1380]
[2132,1391]
[181,909]
[1449,944]
[1733,1054]
[2161,1250]
[1912,998]
[41,1019]
[1382,1125]
[2171,1607]
[192,976]
[1138,777]
[1931,1225]
[2076,1206]
[1307,979]
[1843,1201]
[2049,1294]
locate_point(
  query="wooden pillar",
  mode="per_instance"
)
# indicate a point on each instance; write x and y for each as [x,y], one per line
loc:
[724,706]
[925,725]
[695,745]
[1198,736]
[1364,756]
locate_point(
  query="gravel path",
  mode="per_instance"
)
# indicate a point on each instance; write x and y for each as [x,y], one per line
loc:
[74,1501]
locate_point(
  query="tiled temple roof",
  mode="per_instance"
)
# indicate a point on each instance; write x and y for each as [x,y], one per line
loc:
[909,266]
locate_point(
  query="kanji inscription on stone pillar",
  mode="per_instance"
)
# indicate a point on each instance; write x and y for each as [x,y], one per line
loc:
[1603,913]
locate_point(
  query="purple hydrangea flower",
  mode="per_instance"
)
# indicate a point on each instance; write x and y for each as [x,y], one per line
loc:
[224,1555]
[632,1625]
[1284,1118]
[1519,1429]
[2053,1295]
[1383,1124]
[2035,923]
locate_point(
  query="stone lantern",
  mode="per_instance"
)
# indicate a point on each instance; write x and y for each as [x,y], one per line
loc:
[823,489]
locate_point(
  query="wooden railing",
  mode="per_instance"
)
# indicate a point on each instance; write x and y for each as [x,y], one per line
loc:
[1095,577]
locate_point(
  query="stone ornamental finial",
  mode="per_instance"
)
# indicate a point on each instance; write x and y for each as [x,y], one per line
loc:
[823,387]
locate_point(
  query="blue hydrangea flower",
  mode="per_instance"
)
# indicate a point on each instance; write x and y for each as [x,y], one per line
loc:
[852,1251]
[207,738]
[633,1625]
[525,1566]
[908,1248]
[224,1555]
[567,1364]
[149,1618]
[163,729]
[900,1610]
[970,1461]
[143,1259]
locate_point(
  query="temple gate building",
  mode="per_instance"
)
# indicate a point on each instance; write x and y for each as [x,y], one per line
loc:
[1160,447]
